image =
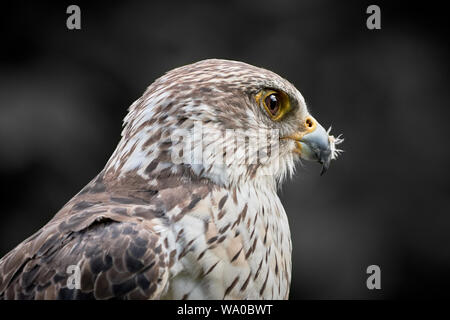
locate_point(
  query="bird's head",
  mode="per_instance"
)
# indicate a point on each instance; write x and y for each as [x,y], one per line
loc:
[221,120]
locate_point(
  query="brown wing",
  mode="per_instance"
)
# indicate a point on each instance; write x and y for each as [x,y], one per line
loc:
[117,260]
[109,233]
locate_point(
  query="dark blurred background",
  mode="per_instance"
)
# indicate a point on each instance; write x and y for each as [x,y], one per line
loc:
[63,95]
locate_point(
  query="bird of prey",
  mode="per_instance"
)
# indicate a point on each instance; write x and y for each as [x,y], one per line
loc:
[167,218]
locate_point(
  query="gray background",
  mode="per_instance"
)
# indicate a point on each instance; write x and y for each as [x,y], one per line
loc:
[64,93]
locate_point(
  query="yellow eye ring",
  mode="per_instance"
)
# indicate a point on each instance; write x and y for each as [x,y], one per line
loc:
[276,103]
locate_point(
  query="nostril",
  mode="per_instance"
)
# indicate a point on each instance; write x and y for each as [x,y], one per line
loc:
[309,123]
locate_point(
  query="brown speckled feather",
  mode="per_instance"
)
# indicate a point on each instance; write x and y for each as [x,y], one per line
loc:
[109,234]
[117,252]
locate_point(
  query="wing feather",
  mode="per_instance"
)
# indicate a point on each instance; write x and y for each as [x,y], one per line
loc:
[118,258]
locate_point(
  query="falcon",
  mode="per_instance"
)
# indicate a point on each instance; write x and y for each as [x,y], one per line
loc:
[187,205]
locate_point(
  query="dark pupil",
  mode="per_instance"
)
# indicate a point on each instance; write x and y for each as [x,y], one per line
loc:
[272,103]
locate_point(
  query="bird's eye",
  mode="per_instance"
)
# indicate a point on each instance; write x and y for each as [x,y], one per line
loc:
[276,103]
[272,103]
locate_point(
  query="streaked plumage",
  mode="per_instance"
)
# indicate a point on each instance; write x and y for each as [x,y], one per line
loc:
[149,228]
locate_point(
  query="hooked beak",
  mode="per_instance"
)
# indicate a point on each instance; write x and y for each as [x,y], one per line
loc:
[316,144]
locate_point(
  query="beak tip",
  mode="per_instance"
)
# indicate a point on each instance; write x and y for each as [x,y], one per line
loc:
[324,169]
[325,164]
